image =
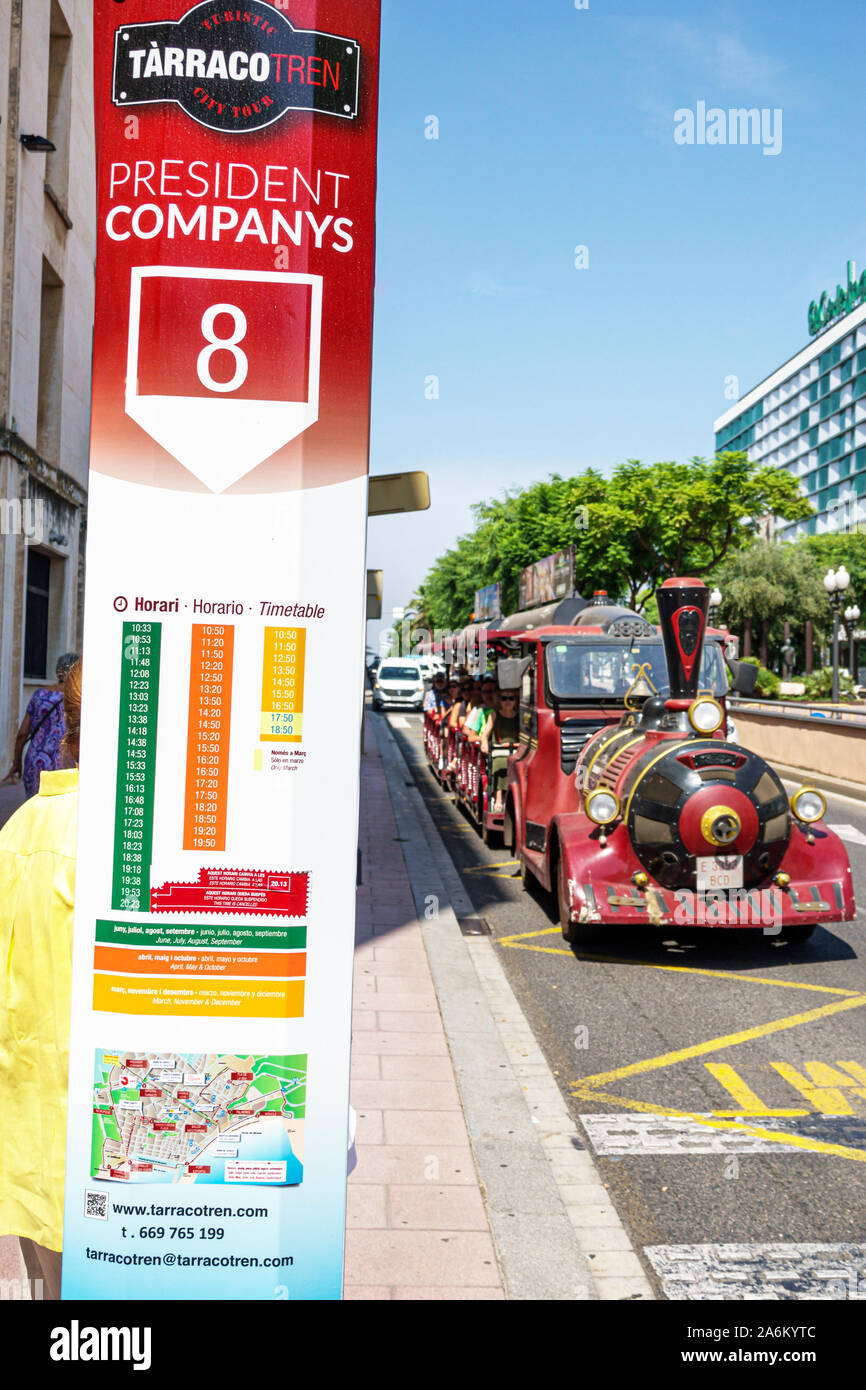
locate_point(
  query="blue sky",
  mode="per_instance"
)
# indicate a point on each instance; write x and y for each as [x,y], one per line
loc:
[556,130]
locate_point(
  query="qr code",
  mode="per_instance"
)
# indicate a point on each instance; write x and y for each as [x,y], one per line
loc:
[96,1205]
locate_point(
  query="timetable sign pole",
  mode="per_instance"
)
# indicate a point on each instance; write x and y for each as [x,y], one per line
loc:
[224,626]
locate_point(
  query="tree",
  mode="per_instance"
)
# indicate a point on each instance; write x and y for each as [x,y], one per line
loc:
[644,524]
[846,548]
[664,519]
[772,584]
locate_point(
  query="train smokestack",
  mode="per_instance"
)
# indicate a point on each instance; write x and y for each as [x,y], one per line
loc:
[682,605]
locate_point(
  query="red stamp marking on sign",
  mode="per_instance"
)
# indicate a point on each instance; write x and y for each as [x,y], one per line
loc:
[256,892]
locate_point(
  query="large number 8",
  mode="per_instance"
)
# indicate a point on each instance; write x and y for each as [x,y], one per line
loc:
[230,344]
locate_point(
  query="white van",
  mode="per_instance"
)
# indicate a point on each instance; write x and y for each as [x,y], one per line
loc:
[399,682]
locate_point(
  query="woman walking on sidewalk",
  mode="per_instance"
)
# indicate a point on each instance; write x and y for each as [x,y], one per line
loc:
[37,884]
[42,730]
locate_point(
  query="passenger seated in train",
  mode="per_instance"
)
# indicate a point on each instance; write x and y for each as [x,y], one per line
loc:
[500,730]
[469,696]
[437,700]
[482,711]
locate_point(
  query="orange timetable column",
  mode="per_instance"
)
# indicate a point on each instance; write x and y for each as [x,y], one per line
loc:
[207,747]
[283,685]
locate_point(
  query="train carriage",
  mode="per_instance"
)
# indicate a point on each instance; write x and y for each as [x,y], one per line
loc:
[625,799]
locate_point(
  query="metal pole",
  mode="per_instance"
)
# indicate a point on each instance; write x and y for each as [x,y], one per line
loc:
[852,653]
[835,656]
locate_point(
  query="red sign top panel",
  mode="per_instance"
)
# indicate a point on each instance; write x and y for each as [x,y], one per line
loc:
[282,198]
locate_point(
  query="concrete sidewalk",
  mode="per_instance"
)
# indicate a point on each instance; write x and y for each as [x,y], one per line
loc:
[416,1223]
[472,1181]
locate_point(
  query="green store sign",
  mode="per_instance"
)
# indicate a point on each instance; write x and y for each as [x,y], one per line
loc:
[845,299]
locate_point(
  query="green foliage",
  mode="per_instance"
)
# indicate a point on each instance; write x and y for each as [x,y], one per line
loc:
[831,551]
[644,523]
[772,583]
[819,686]
[767,685]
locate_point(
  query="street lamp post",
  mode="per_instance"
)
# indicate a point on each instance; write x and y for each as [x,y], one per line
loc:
[852,614]
[836,586]
[715,601]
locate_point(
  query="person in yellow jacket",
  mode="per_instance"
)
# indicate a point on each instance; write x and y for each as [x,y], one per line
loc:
[37,886]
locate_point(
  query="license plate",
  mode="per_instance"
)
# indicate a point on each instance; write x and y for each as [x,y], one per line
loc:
[719,871]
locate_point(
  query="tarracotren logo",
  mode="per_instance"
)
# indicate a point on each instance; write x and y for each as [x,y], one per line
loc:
[236,70]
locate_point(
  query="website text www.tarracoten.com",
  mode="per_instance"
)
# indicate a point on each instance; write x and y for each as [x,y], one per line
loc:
[153,1209]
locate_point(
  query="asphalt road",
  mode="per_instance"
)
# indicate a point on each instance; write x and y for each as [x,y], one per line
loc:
[724,1027]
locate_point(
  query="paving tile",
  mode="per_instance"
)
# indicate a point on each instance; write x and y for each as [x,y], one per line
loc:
[365,1065]
[419,983]
[421,1259]
[452,1295]
[425,1127]
[425,1003]
[406,1095]
[415,1068]
[368,1127]
[436,1208]
[365,1206]
[400,1044]
[408,968]
[414,1163]
[596,1238]
[618,1264]
[355,1292]
[397,955]
[418,1021]
[623,1289]
[593,1214]
[583,1193]
[363,1020]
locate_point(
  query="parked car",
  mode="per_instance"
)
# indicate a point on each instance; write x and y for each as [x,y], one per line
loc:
[399,683]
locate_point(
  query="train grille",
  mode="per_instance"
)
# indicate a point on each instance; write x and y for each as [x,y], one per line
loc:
[572,737]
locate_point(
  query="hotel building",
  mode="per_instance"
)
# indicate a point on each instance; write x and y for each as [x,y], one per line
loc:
[809,416]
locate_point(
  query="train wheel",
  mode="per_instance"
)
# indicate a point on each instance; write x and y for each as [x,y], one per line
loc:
[575,933]
[798,932]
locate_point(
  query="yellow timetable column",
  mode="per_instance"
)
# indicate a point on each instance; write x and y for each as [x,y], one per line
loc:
[283,685]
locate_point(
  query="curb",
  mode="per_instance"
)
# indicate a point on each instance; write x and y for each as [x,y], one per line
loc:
[557,1234]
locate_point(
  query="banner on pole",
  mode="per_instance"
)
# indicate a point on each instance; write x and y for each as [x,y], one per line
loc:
[547,580]
[488,602]
[214,915]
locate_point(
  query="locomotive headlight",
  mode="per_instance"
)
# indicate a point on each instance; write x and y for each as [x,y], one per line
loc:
[808,805]
[602,806]
[705,715]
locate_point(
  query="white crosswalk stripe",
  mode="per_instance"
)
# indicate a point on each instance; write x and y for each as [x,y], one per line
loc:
[850,833]
[752,1272]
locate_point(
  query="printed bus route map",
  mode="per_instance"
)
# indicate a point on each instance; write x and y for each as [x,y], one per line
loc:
[168,1117]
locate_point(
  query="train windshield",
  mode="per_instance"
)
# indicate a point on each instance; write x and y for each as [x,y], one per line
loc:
[610,670]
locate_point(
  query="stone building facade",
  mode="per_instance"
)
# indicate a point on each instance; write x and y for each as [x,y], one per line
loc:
[47,250]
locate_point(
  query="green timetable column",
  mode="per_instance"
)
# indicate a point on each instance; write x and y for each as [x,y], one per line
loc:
[136,766]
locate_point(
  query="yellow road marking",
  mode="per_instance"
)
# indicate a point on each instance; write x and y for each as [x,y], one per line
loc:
[500,870]
[591,1088]
[824,1087]
[748,1102]
[592,1094]
[520,942]
[761,1030]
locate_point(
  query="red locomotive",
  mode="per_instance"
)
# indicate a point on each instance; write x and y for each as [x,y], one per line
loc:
[625,798]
